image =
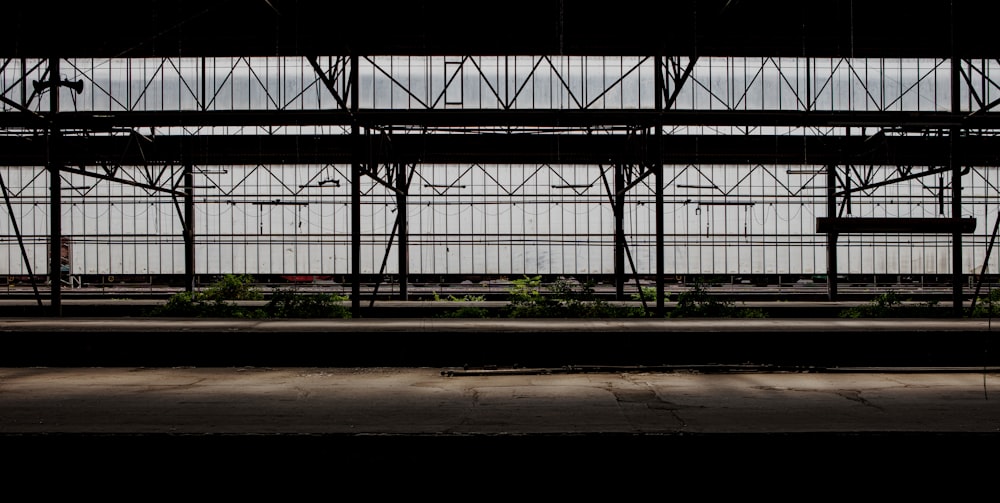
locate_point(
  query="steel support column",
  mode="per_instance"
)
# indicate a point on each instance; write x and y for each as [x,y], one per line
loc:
[831,237]
[55,191]
[355,194]
[619,212]
[403,243]
[956,183]
[658,174]
[956,237]
[189,264]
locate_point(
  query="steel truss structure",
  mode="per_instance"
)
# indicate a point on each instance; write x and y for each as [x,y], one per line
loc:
[692,138]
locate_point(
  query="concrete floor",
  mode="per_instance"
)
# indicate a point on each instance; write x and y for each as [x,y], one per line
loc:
[432,401]
[474,432]
[433,431]
[307,432]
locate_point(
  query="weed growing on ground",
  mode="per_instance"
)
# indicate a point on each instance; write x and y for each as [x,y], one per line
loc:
[890,305]
[232,287]
[648,294]
[465,311]
[987,306]
[564,298]
[291,304]
[525,299]
[214,301]
[218,301]
[698,303]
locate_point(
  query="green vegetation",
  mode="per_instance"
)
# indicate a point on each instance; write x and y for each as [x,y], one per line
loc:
[563,299]
[466,311]
[648,293]
[526,300]
[219,301]
[214,301]
[988,306]
[890,305]
[289,304]
[882,306]
[196,305]
[232,287]
[698,303]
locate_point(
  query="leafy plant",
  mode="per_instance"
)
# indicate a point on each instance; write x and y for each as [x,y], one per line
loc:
[564,299]
[698,303]
[218,301]
[879,307]
[987,306]
[648,293]
[889,305]
[232,287]
[579,300]
[464,311]
[213,302]
[179,304]
[527,301]
[290,304]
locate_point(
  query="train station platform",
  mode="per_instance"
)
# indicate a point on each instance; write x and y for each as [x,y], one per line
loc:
[297,430]
[502,401]
[513,344]
[337,403]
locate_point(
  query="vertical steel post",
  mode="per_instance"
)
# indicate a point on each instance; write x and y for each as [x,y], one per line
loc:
[619,212]
[402,248]
[24,82]
[808,83]
[355,193]
[55,191]
[956,178]
[204,87]
[189,266]
[658,167]
[956,212]
[831,237]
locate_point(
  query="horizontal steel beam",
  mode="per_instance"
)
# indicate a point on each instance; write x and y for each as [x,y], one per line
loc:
[504,148]
[589,118]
